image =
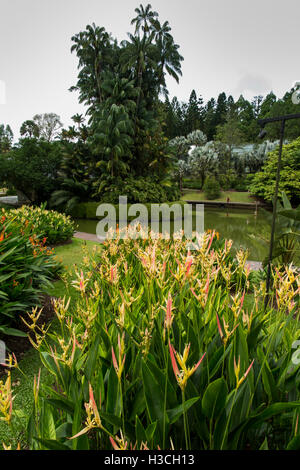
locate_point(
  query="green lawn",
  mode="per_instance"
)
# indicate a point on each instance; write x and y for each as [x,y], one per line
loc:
[70,255]
[234,196]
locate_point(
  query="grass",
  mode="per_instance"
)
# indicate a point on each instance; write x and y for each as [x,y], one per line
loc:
[234,196]
[5,206]
[70,255]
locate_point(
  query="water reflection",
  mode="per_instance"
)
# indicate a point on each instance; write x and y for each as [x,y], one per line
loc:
[238,225]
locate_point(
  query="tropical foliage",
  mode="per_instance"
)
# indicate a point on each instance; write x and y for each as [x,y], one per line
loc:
[27,266]
[52,226]
[263,184]
[161,349]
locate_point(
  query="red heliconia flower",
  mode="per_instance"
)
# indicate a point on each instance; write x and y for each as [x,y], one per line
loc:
[219,327]
[188,267]
[169,316]
[173,360]
[210,242]
[248,370]
[114,360]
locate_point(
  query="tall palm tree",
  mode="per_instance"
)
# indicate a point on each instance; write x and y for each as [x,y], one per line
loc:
[119,91]
[93,48]
[78,119]
[143,18]
[169,57]
[112,139]
[138,55]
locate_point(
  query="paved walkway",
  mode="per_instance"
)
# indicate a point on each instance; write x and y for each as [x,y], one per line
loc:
[9,200]
[88,236]
[254,265]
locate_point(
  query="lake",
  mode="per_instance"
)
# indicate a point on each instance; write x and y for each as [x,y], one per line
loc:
[241,226]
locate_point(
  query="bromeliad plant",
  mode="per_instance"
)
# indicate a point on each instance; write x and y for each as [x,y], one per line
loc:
[27,267]
[159,350]
[48,224]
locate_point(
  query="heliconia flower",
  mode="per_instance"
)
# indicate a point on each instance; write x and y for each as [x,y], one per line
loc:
[188,267]
[119,366]
[114,444]
[93,417]
[121,445]
[248,370]
[169,316]
[114,359]
[173,360]
[207,284]
[5,447]
[194,293]
[219,327]
[185,373]
[81,282]
[6,400]
[239,381]
[242,299]
[153,258]
[210,242]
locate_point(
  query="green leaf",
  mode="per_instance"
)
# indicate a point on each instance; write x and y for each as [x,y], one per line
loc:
[92,359]
[294,443]
[264,445]
[154,398]
[51,444]
[214,398]
[175,413]
[150,431]
[140,433]
[113,405]
[48,423]
[62,404]
[64,430]
[12,332]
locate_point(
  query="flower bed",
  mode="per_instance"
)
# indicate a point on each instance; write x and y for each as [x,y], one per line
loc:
[26,269]
[51,225]
[161,351]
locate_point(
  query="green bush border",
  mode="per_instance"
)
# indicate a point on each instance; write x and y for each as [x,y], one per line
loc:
[87,210]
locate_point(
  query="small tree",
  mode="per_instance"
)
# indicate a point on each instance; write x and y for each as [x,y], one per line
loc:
[211,188]
[203,160]
[49,125]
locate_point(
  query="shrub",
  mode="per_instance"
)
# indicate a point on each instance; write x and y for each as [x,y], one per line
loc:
[263,184]
[211,188]
[87,210]
[51,225]
[161,349]
[32,168]
[26,269]
[227,180]
[138,190]
[191,184]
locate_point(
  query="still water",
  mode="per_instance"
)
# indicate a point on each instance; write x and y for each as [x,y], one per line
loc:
[242,226]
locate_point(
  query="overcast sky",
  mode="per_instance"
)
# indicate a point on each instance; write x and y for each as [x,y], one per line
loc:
[236,46]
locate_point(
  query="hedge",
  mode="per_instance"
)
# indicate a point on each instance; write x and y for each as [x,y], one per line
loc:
[87,210]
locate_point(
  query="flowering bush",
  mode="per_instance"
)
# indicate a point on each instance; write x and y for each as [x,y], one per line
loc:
[26,268]
[160,351]
[51,225]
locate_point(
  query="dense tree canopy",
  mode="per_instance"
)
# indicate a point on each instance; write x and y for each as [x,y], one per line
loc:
[263,184]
